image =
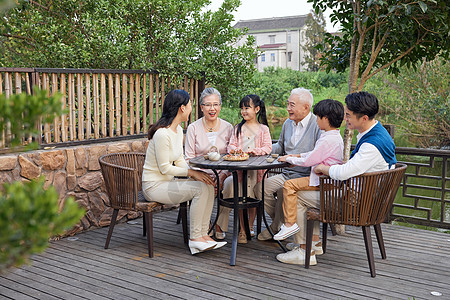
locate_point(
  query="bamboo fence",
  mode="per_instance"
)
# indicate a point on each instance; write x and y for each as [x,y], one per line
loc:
[98,103]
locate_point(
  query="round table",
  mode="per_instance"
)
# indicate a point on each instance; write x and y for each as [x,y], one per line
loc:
[244,202]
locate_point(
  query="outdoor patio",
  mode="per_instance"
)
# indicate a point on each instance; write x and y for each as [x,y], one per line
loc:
[417,264]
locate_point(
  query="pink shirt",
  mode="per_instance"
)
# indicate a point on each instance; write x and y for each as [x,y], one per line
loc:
[197,142]
[329,150]
[263,144]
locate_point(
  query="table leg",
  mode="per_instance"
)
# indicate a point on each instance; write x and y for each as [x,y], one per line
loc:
[217,198]
[244,199]
[235,218]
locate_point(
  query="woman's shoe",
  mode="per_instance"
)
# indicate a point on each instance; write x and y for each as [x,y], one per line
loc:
[197,247]
[219,245]
[220,235]
[252,231]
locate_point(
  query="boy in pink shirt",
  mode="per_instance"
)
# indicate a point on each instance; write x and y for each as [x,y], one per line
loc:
[328,150]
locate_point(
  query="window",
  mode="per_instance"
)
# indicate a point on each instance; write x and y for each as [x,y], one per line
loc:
[263,57]
[272,39]
[289,39]
[272,57]
[289,56]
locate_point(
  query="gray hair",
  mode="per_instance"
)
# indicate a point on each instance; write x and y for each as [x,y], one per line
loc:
[208,92]
[303,95]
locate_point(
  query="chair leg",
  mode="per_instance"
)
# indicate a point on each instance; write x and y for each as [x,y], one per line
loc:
[380,240]
[333,230]
[144,229]
[324,236]
[179,215]
[183,213]
[369,249]
[149,225]
[309,235]
[111,227]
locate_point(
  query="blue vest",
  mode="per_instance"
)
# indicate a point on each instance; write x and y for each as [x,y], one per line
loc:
[380,138]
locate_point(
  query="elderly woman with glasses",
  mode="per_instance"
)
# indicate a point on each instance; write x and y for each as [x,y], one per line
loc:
[208,132]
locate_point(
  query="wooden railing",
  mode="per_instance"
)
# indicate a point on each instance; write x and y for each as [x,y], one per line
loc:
[424,195]
[99,103]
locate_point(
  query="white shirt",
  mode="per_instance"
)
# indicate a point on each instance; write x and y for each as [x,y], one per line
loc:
[367,159]
[299,129]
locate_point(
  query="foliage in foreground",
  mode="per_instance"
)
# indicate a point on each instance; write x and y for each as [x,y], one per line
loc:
[29,216]
[21,112]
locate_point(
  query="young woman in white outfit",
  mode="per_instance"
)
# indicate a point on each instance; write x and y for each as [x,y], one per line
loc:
[164,160]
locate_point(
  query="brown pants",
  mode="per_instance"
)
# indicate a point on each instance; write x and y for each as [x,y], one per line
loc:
[290,189]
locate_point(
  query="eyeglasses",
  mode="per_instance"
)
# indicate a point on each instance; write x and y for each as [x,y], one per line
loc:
[209,105]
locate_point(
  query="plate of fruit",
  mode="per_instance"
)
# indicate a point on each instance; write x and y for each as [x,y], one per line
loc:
[236,155]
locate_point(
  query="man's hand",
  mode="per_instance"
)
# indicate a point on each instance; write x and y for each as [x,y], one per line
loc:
[322,170]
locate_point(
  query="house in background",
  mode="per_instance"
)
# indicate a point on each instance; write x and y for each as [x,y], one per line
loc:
[280,39]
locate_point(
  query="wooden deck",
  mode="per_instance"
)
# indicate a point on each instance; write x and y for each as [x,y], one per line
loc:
[418,263]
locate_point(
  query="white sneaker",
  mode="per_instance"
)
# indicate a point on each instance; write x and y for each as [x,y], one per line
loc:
[286,232]
[296,257]
[316,247]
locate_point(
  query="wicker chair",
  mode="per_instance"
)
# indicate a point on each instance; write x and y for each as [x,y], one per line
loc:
[363,200]
[122,173]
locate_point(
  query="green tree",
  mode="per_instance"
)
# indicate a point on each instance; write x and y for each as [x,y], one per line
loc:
[171,36]
[382,35]
[315,36]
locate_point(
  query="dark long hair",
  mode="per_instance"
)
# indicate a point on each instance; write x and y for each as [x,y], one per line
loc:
[172,103]
[246,101]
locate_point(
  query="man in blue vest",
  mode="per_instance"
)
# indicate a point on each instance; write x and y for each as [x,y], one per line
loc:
[374,151]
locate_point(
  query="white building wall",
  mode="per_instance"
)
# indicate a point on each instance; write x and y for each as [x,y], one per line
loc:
[281,54]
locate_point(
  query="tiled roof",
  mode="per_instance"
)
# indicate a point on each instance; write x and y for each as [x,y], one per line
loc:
[292,22]
[272,45]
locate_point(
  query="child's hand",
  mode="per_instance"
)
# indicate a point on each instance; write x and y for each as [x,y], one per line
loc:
[283,158]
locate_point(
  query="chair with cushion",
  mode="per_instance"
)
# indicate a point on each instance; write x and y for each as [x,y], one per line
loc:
[122,173]
[363,200]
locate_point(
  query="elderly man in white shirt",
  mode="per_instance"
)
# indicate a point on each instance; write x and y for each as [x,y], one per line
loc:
[298,135]
[375,151]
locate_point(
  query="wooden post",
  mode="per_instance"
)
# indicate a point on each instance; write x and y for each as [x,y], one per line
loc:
[111,104]
[150,101]
[117,95]
[71,90]
[46,86]
[96,106]
[88,106]
[124,105]
[56,126]
[138,103]
[103,103]
[131,103]
[62,87]
[80,106]
[157,98]
[144,103]
[201,87]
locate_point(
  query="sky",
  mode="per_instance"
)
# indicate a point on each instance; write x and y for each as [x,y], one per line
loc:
[258,9]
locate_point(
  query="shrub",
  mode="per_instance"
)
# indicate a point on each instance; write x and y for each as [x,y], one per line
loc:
[29,216]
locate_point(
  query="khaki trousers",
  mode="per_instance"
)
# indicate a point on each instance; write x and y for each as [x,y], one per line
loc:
[306,199]
[274,205]
[181,190]
[290,189]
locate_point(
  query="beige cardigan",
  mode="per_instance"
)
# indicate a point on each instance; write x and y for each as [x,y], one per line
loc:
[164,158]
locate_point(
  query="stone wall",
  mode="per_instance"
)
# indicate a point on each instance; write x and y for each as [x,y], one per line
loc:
[75,172]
